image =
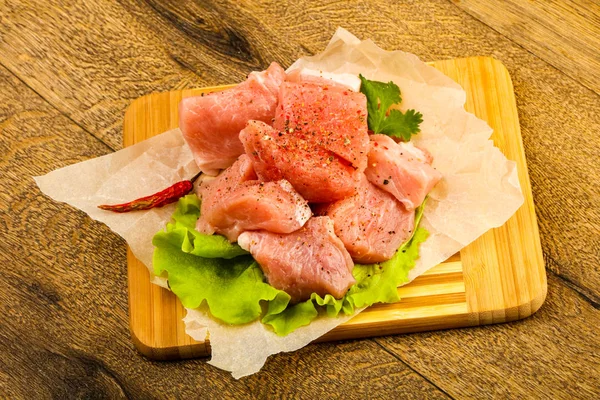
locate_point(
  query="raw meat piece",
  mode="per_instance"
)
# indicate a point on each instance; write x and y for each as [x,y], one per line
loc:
[211,123]
[317,174]
[372,224]
[235,202]
[344,80]
[212,191]
[401,169]
[327,115]
[310,260]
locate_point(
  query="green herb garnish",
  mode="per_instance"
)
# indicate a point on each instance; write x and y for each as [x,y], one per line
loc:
[392,122]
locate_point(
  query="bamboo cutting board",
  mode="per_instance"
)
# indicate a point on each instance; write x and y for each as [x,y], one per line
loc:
[498,278]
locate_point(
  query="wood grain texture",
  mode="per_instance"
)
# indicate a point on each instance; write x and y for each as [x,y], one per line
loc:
[72,68]
[518,287]
[553,354]
[504,275]
[88,59]
[565,34]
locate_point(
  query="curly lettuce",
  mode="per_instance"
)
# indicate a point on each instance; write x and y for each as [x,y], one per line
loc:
[207,268]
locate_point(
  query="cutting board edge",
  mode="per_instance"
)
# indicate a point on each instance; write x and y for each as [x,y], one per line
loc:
[465,320]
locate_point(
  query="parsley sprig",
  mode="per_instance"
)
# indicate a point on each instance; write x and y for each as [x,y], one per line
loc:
[380,97]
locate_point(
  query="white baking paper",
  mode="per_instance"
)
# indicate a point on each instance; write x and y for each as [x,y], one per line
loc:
[131,173]
[479,191]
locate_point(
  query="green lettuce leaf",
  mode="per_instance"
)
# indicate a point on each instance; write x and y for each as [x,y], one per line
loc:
[291,318]
[381,119]
[193,242]
[207,268]
[187,212]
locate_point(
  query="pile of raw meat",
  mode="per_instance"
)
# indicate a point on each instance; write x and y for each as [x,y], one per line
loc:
[305,188]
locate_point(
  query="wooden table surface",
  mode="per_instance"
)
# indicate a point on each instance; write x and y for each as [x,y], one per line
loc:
[68,71]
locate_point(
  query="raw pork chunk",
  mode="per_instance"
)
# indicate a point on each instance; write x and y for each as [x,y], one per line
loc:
[312,259]
[317,174]
[327,115]
[372,224]
[401,169]
[211,124]
[235,202]
[305,75]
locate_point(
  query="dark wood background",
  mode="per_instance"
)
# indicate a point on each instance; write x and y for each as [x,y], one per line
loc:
[70,68]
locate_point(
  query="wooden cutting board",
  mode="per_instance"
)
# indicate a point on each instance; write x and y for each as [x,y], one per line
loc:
[498,278]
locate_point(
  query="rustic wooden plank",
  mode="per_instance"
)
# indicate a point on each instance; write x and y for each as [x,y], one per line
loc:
[326,371]
[63,295]
[565,34]
[88,59]
[553,354]
[41,282]
[231,35]
[93,53]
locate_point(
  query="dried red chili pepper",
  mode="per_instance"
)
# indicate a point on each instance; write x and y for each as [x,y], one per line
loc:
[159,199]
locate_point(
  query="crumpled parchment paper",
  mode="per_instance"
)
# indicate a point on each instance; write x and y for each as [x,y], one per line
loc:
[480,189]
